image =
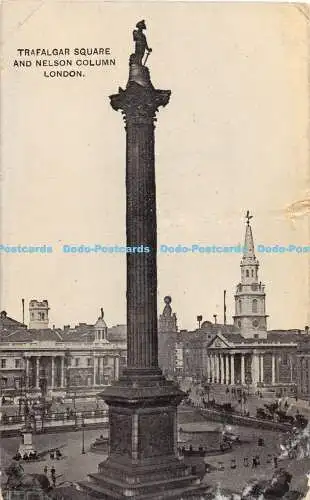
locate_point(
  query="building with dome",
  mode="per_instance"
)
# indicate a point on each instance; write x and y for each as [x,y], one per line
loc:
[80,360]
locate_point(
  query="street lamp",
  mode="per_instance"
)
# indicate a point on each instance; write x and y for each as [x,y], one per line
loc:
[83,437]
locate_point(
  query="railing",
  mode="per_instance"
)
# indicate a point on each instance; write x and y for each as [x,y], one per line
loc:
[55,416]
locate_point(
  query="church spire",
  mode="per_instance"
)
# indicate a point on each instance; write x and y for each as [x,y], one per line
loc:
[248,240]
[250,316]
[249,263]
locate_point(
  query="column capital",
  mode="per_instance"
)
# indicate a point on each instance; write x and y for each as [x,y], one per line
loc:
[139,103]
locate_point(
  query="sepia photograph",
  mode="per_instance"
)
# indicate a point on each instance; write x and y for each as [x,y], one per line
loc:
[154,250]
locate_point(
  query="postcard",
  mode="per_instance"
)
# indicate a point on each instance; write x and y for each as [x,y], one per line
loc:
[154,250]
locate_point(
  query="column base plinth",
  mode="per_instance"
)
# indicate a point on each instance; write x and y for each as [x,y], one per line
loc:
[143,461]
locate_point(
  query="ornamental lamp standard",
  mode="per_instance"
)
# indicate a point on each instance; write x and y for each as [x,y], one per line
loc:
[83,437]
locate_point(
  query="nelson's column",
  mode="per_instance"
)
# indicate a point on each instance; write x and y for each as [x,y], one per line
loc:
[143,462]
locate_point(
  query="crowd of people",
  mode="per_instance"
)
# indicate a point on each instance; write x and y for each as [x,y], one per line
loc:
[32,455]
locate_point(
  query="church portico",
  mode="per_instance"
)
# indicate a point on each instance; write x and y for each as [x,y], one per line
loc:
[250,365]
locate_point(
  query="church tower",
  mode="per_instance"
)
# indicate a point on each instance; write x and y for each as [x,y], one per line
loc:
[250,310]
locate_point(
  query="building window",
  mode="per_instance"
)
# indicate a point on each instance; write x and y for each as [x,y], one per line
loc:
[32,315]
[3,363]
[17,363]
[240,306]
[88,361]
[4,382]
[284,358]
[256,335]
[252,273]
[254,306]
[247,274]
[77,361]
[255,323]
[239,324]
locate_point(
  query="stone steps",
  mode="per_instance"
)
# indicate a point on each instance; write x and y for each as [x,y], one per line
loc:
[151,491]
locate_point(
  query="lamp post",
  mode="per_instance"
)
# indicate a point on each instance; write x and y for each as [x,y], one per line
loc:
[83,437]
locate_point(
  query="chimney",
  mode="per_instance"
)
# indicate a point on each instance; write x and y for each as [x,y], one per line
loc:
[307,330]
[224,307]
[215,316]
[66,327]
[199,320]
[23,310]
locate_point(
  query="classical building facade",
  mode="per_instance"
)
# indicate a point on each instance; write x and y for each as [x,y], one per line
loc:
[243,353]
[303,368]
[58,361]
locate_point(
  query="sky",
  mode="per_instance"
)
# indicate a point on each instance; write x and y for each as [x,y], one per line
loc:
[233,138]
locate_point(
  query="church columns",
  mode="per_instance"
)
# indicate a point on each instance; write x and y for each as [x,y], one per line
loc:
[62,371]
[38,372]
[94,372]
[212,368]
[52,372]
[222,379]
[99,370]
[261,368]
[255,369]
[217,368]
[116,368]
[208,367]
[242,370]
[232,369]
[273,369]
[27,382]
[227,369]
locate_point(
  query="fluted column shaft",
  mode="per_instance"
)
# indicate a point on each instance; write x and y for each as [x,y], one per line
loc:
[141,230]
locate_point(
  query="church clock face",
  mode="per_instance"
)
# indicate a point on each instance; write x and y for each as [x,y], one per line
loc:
[255,323]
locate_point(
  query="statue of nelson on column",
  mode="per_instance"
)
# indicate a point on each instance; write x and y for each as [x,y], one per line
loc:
[140,45]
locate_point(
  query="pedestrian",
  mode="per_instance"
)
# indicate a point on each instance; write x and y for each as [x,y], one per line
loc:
[53,475]
[260,442]
[254,463]
[45,470]
[275,462]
